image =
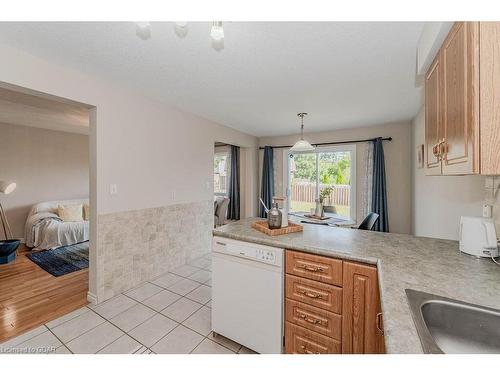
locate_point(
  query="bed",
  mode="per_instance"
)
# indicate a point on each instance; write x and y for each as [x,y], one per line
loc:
[45,230]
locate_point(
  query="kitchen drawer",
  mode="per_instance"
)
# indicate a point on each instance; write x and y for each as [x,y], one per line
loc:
[314,319]
[314,267]
[324,296]
[299,340]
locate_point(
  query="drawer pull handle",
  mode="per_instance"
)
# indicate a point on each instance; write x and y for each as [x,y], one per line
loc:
[311,268]
[307,351]
[379,325]
[309,320]
[220,243]
[311,295]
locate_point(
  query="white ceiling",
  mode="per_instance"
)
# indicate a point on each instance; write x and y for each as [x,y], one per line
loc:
[345,74]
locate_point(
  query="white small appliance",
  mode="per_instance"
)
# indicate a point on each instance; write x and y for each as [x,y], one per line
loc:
[247,294]
[478,236]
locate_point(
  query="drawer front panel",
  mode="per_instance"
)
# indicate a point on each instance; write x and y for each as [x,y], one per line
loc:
[314,267]
[317,294]
[299,340]
[314,319]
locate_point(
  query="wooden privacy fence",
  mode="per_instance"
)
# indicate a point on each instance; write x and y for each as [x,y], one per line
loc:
[306,192]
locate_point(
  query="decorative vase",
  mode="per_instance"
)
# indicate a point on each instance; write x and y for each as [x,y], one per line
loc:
[274,217]
[319,208]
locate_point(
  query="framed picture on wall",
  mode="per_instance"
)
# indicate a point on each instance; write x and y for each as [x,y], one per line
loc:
[420,156]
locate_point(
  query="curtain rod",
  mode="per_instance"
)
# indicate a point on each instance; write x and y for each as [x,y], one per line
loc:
[336,143]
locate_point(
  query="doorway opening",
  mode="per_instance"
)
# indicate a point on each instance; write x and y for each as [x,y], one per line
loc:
[226,183]
[45,152]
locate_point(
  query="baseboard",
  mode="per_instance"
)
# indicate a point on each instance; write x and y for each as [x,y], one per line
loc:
[92,298]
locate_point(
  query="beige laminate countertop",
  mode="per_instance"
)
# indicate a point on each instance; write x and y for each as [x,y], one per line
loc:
[403,261]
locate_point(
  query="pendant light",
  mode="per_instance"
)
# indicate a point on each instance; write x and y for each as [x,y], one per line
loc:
[302,145]
[217,31]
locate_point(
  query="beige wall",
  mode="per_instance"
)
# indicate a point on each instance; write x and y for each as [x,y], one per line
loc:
[439,201]
[45,164]
[397,159]
[156,154]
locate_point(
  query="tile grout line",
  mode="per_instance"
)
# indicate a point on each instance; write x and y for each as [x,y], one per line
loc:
[91,309]
[63,344]
[125,333]
[22,342]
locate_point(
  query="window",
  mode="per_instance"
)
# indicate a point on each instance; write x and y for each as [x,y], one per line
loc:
[221,164]
[331,170]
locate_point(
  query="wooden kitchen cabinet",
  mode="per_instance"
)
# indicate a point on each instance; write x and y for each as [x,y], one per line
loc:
[361,314]
[462,91]
[489,82]
[332,306]
[433,120]
[460,62]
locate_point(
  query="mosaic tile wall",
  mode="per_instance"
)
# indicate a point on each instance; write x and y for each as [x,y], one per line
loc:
[137,246]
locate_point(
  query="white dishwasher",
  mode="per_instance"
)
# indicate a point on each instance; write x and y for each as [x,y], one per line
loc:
[247,294]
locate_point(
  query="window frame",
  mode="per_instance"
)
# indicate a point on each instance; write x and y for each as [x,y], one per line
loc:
[226,153]
[351,148]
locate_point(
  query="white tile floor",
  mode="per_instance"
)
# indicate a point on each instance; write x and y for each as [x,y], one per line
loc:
[171,314]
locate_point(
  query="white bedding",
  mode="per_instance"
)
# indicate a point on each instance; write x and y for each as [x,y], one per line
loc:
[45,230]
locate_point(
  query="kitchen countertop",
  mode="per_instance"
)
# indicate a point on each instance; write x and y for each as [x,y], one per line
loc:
[426,264]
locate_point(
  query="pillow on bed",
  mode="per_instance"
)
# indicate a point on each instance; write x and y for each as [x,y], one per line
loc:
[70,212]
[86,212]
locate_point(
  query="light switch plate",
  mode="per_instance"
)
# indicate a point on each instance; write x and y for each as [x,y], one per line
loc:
[113,189]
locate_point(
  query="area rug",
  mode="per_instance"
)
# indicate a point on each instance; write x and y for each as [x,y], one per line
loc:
[63,260]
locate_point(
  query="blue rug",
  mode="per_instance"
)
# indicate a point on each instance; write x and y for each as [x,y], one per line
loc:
[63,260]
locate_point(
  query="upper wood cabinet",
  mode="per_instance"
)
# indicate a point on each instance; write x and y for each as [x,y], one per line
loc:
[462,88]
[433,118]
[489,83]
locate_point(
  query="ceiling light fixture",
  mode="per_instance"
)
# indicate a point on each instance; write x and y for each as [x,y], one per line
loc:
[143,30]
[181,29]
[217,31]
[302,145]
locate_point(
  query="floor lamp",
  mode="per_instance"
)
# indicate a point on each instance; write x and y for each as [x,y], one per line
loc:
[6,188]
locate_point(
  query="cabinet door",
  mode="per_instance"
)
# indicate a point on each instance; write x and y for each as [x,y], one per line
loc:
[459,63]
[490,97]
[433,116]
[361,310]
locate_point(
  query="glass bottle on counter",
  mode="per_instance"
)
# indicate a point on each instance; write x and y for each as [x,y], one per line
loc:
[274,217]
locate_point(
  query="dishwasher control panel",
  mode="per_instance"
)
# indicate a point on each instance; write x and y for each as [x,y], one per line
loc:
[259,253]
[267,256]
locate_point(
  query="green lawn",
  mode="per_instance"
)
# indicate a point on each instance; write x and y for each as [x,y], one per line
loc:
[306,206]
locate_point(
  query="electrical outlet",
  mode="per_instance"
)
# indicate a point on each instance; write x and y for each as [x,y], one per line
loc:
[113,189]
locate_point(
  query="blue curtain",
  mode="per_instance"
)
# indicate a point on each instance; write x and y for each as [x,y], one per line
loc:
[233,210]
[379,193]
[267,187]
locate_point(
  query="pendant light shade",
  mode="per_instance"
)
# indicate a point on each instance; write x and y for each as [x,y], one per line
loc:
[217,32]
[302,145]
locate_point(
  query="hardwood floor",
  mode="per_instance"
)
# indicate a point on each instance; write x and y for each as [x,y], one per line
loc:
[30,296]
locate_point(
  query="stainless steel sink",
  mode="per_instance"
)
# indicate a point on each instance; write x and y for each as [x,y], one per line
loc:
[449,326]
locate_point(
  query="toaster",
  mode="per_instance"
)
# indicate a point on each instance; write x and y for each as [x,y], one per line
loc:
[478,236]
